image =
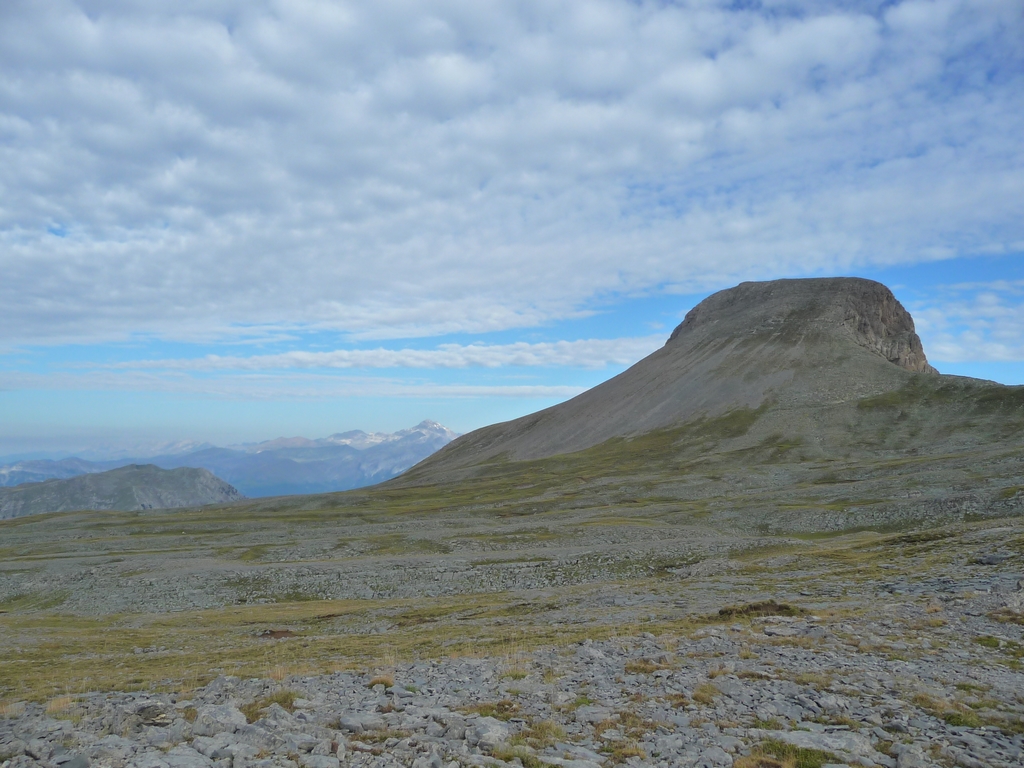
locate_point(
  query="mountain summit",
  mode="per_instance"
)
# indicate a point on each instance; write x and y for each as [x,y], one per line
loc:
[863,310]
[796,358]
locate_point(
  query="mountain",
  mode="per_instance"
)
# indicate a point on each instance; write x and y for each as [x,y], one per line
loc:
[128,488]
[829,367]
[287,465]
[297,465]
[37,470]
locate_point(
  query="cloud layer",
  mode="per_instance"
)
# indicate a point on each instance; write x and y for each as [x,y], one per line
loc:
[975,322]
[395,169]
[589,353]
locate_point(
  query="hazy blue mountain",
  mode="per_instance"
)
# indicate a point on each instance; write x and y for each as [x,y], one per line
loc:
[287,465]
[300,465]
[37,470]
[127,488]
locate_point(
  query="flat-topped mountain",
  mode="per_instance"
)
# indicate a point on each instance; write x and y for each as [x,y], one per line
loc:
[831,364]
[130,488]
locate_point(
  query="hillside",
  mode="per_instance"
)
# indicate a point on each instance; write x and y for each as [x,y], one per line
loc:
[130,488]
[831,368]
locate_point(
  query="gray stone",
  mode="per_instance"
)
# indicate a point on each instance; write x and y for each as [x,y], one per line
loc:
[853,743]
[487,733]
[993,558]
[591,714]
[319,761]
[186,757]
[212,720]
[912,757]
[717,756]
[568,763]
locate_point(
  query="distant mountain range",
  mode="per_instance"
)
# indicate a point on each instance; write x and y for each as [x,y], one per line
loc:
[129,488]
[287,465]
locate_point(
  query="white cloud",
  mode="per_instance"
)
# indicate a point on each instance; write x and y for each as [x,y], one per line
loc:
[275,386]
[587,353]
[403,168]
[975,322]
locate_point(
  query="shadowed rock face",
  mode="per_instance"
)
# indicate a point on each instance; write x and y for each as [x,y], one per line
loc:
[130,488]
[782,347]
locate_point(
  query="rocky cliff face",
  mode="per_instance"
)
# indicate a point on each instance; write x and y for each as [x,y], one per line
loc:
[130,488]
[865,310]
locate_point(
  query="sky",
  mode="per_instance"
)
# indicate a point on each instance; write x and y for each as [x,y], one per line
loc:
[231,220]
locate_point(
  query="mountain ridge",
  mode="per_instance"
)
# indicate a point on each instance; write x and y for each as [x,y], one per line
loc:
[282,466]
[130,488]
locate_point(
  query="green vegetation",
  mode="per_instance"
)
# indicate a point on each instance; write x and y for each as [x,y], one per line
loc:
[758,610]
[285,699]
[509,752]
[34,601]
[505,709]
[778,754]
[706,693]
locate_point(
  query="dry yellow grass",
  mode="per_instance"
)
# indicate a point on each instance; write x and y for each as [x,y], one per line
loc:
[11,708]
[641,666]
[706,693]
[60,705]
[387,681]
[97,654]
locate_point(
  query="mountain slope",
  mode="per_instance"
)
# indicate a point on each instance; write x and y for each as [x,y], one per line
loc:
[832,365]
[128,488]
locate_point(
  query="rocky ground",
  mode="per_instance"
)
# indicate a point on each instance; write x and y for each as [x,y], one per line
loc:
[906,667]
[619,627]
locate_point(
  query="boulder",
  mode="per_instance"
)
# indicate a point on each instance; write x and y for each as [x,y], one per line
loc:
[220,718]
[487,733]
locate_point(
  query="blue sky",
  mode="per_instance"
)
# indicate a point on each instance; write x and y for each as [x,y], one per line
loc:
[228,221]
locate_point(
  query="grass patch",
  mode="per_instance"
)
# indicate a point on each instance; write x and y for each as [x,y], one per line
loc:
[543,733]
[34,601]
[97,654]
[620,751]
[524,754]
[959,717]
[505,709]
[399,544]
[779,754]
[253,554]
[706,693]
[758,610]
[642,666]
[972,687]
[580,701]
[817,680]
[253,710]
[1006,616]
